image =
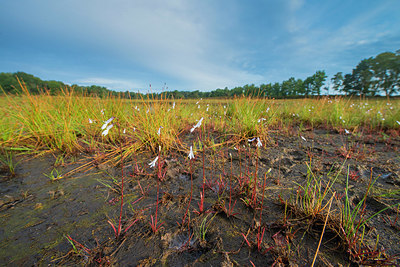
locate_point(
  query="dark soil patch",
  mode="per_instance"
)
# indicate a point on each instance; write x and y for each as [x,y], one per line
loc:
[37,214]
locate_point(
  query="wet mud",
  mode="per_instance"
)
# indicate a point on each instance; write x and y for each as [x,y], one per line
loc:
[243,222]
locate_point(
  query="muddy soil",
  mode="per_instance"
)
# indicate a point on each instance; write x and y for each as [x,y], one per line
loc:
[38,214]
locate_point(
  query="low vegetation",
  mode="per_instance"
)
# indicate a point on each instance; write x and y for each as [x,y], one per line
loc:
[210,172]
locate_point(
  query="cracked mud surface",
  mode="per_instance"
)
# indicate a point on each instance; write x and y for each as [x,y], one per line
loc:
[37,214]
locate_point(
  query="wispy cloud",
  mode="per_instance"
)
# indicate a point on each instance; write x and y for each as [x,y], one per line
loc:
[192,44]
[115,84]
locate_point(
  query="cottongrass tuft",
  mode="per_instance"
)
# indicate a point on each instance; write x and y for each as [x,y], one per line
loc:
[153,163]
[197,125]
[191,154]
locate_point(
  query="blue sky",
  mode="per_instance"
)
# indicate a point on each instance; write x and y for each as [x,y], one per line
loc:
[191,45]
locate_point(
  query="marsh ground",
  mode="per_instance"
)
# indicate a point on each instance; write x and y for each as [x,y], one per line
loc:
[37,213]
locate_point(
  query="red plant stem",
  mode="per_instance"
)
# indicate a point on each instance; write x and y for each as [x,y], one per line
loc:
[79,244]
[122,189]
[262,200]
[158,184]
[201,207]
[240,163]
[230,187]
[191,192]
[255,181]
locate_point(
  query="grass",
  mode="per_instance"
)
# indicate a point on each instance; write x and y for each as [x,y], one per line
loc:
[69,124]
[7,158]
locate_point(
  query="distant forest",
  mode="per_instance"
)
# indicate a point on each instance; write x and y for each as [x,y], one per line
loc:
[373,76]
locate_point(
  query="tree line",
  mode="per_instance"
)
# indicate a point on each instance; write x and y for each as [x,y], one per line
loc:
[10,84]
[373,76]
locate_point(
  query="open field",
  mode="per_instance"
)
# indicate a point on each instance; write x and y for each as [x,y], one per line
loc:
[112,181]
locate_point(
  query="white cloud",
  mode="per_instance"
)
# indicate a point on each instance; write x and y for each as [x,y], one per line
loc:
[173,38]
[115,84]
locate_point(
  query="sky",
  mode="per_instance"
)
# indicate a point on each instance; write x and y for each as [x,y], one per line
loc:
[126,45]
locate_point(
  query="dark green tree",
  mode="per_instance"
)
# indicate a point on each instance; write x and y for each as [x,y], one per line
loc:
[386,70]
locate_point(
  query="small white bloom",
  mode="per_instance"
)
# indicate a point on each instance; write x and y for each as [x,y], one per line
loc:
[90,121]
[260,120]
[191,154]
[107,122]
[124,131]
[197,125]
[259,144]
[105,132]
[346,131]
[235,148]
[398,122]
[153,163]
[224,107]
[159,131]
[302,137]
[173,105]
[198,106]
[267,110]
[102,111]
[207,109]
[251,140]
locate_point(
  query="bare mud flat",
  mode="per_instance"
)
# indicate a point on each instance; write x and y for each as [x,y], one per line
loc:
[246,221]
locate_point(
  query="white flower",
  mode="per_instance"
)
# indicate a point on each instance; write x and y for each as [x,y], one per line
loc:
[197,125]
[302,137]
[191,155]
[153,163]
[124,131]
[198,106]
[267,110]
[102,111]
[207,109]
[260,120]
[259,144]
[173,105]
[346,131]
[251,140]
[105,132]
[107,122]
[159,131]
[90,121]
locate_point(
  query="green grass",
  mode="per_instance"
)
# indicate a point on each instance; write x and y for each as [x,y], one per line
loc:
[62,123]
